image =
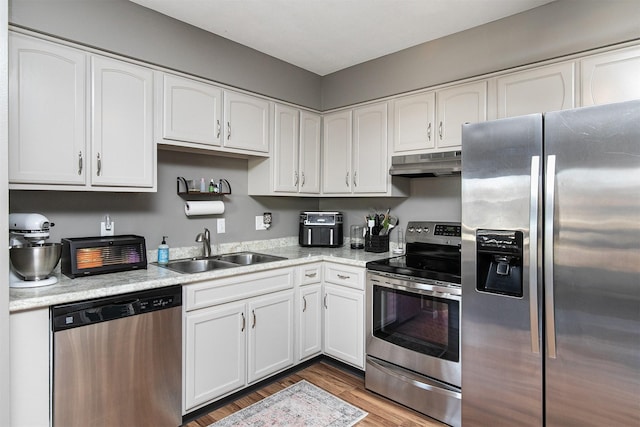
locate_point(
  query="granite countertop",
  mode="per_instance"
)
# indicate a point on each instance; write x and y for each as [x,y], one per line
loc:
[72,290]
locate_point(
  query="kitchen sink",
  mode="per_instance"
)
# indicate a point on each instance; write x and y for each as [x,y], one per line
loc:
[199,265]
[248,258]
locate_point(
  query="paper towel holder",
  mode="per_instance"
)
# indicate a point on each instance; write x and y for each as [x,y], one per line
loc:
[223,185]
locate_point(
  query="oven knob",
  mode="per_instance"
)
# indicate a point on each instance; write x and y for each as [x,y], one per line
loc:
[419,230]
[411,230]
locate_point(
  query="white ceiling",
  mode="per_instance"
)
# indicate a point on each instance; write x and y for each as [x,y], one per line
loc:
[324,36]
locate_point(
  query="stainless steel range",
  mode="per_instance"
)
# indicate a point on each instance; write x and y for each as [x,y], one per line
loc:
[413,305]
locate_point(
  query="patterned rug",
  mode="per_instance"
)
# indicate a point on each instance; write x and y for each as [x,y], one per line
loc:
[301,404]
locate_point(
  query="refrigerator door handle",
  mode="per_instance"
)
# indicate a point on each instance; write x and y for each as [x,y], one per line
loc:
[548,256]
[533,254]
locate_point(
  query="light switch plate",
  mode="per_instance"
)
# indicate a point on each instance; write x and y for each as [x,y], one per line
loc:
[221,225]
[260,223]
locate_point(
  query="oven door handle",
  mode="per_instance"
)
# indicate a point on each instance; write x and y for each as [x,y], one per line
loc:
[420,288]
[421,382]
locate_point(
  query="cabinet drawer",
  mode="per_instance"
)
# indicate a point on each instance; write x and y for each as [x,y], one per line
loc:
[311,273]
[219,291]
[344,275]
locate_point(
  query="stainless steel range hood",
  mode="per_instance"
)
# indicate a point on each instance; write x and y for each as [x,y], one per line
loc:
[431,164]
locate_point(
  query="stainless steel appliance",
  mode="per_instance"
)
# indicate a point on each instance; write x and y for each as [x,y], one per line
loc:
[551,269]
[413,305]
[426,164]
[321,229]
[32,260]
[117,360]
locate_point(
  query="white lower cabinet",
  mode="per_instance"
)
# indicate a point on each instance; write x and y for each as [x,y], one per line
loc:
[237,330]
[309,312]
[343,302]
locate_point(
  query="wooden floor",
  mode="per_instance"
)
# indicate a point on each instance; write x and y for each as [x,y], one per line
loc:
[339,382]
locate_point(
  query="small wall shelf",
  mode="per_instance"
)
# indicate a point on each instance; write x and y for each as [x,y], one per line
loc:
[198,195]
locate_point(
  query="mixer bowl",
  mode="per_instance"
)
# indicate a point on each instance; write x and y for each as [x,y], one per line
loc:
[35,262]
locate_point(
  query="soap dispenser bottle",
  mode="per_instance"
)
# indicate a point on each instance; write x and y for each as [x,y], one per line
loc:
[163,252]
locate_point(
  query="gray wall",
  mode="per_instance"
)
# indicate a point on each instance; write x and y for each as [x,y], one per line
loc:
[129,29]
[153,215]
[555,29]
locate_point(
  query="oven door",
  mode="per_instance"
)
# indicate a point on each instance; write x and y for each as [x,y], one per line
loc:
[414,324]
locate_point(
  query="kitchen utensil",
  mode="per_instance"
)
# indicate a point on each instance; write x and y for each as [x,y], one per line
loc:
[36,261]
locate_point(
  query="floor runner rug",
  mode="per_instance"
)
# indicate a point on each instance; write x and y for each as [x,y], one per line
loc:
[301,404]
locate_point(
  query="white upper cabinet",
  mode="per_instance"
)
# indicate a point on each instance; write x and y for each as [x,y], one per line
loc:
[611,77]
[370,166]
[310,143]
[538,90]
[191,110]
[122,117]
[336,152]
[457,105]
[286,149]
[47,114]
[246,122]
[414,118]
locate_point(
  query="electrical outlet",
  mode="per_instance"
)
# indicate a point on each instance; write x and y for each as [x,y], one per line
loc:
[220,225]
[260,223]
[104,231]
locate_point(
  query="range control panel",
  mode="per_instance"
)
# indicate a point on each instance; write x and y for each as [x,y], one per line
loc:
[447,233]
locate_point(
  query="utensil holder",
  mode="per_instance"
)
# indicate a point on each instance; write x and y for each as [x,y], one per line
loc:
[376,243]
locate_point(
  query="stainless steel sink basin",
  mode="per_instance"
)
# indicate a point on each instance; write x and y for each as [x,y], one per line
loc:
[199,265]
[248,258]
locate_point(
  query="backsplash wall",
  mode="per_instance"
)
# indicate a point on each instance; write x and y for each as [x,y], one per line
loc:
[152,215]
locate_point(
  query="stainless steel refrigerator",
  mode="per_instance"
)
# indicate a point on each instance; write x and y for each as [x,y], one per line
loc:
[551,269]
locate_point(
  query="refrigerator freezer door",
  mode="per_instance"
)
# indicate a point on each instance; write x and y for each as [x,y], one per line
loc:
[501,357]
[594,376]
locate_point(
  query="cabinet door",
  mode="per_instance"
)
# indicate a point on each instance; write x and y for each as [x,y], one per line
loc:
[214,353]
[344,324]
[336,153]
[246,121]
[309,153]
[370,168]
[536,91]
[285,149]
[310,321]
[611,77]
[191,111]
[47,114]
[270,339]
[414,118]
[122,118]
[458,105]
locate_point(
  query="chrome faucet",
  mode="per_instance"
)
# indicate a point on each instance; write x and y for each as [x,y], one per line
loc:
[205,238]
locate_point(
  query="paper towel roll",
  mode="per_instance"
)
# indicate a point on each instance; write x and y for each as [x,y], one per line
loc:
[203,208]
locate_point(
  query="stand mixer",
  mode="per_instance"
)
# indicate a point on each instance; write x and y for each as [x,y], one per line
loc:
[32,260]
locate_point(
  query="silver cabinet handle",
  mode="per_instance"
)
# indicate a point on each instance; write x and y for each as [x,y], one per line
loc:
[325,301]
[80,163]
[346,181]
[99,165]
[533,253]
[429,132]
[355,179]
[440,130]
[244,322]
[304,307]
[295,178]
[548,256]
[343,277]
[311,274]
[303,179]
[218,128]
[254,319]
[228,130]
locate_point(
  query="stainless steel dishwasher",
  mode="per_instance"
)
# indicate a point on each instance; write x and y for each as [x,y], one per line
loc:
[117,360]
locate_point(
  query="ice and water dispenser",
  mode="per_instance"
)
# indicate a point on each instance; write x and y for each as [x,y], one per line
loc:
[499,262]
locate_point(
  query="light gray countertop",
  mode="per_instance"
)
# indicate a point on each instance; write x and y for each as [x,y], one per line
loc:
[72,290]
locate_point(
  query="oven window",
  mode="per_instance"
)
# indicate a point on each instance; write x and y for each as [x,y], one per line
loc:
[422,323]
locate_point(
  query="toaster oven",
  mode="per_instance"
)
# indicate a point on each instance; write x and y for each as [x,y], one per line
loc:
[321,229]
